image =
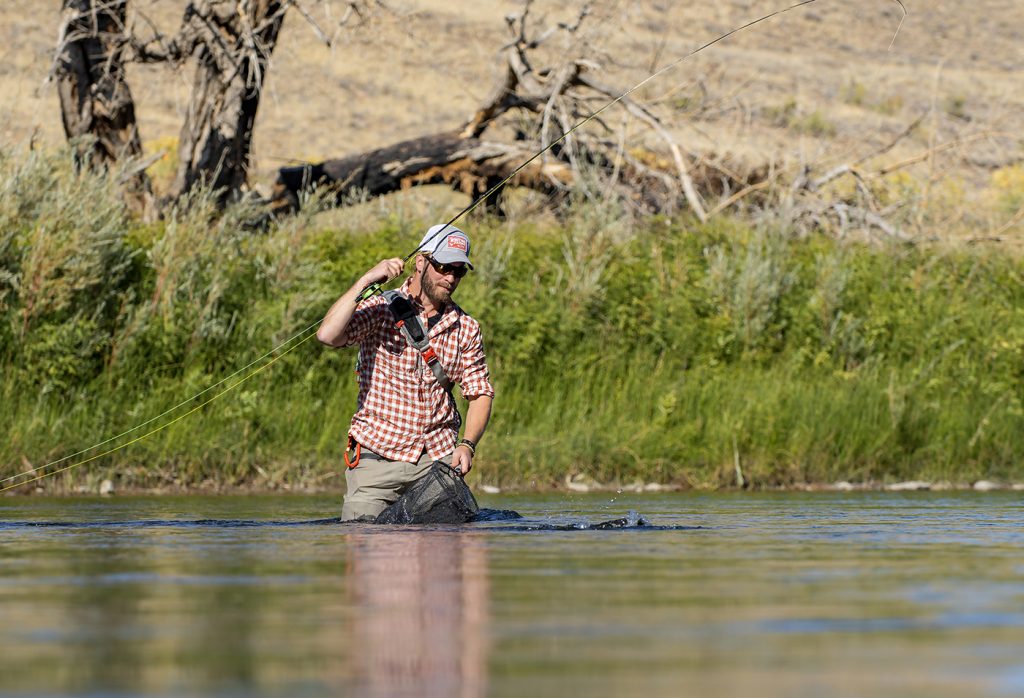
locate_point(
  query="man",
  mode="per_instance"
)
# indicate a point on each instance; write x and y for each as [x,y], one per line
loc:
[414,344]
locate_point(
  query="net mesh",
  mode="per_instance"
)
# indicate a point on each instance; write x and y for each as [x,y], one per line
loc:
[440,496]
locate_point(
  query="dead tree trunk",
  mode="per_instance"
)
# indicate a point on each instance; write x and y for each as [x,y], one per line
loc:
[94,97]
[232,41]
[95,102]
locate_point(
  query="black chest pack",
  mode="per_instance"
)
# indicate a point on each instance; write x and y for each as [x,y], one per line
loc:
[408,322]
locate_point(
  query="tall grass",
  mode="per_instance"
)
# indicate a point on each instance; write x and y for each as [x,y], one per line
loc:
[623,350]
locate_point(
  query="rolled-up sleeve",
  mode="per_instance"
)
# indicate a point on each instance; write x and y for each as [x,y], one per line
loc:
[368,317]
[476,377]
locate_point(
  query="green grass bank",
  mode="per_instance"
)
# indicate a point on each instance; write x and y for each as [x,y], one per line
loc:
[625,351]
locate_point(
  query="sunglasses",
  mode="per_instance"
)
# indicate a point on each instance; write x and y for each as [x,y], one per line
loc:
[456,270]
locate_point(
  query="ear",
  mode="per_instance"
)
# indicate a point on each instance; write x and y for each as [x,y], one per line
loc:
[421,262]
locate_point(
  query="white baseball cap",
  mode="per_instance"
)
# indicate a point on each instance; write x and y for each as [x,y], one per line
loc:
[446,244]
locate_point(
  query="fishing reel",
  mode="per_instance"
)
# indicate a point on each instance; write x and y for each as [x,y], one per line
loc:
[370,291]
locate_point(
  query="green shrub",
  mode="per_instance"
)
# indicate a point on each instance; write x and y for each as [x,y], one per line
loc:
[628,350]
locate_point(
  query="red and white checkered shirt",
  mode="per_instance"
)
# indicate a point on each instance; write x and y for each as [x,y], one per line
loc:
[402,410]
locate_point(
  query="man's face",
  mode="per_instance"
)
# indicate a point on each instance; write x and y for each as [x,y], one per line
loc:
[437,286]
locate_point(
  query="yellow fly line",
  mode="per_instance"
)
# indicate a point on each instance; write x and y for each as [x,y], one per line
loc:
[308,332]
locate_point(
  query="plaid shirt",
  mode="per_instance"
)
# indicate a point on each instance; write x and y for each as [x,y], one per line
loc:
[402,410]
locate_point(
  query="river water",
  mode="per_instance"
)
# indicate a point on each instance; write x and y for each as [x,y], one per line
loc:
[796,594]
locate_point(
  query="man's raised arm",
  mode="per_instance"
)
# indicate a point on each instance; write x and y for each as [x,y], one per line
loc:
[332,329]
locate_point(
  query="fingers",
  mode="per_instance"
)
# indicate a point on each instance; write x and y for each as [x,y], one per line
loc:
[393,267]
[462,462]
[385,270]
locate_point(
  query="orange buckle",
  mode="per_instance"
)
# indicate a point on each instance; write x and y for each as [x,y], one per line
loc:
[429,356]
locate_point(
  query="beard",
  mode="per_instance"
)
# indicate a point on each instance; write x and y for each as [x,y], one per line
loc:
[437,294]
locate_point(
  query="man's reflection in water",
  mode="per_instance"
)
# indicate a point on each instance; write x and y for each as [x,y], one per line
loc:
[420,614]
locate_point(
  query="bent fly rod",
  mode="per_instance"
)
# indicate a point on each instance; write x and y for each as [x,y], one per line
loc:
[36,474]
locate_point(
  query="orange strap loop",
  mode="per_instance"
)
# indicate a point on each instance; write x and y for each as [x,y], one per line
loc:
[353,445]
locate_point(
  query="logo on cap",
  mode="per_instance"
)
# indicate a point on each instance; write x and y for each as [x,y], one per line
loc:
[457,242]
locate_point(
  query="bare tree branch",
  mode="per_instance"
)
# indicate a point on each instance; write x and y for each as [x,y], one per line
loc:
[560,95]
[320,33]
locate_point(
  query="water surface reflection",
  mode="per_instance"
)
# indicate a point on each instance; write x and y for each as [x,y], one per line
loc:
[420,604]
[775,595]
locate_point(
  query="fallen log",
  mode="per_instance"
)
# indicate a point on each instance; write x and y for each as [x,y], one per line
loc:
[466,164]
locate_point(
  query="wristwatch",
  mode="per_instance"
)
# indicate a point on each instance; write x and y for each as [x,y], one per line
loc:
[468,443]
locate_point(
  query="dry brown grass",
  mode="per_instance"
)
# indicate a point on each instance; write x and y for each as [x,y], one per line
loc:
[818,85]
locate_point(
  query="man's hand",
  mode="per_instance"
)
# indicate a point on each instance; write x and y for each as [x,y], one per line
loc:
[332,329]
[462,459]
[384,271]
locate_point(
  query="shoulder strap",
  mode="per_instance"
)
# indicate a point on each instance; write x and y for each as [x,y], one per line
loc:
[408,322]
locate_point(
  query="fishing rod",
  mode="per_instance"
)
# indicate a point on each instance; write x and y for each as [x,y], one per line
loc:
[375,288]
[305,335]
